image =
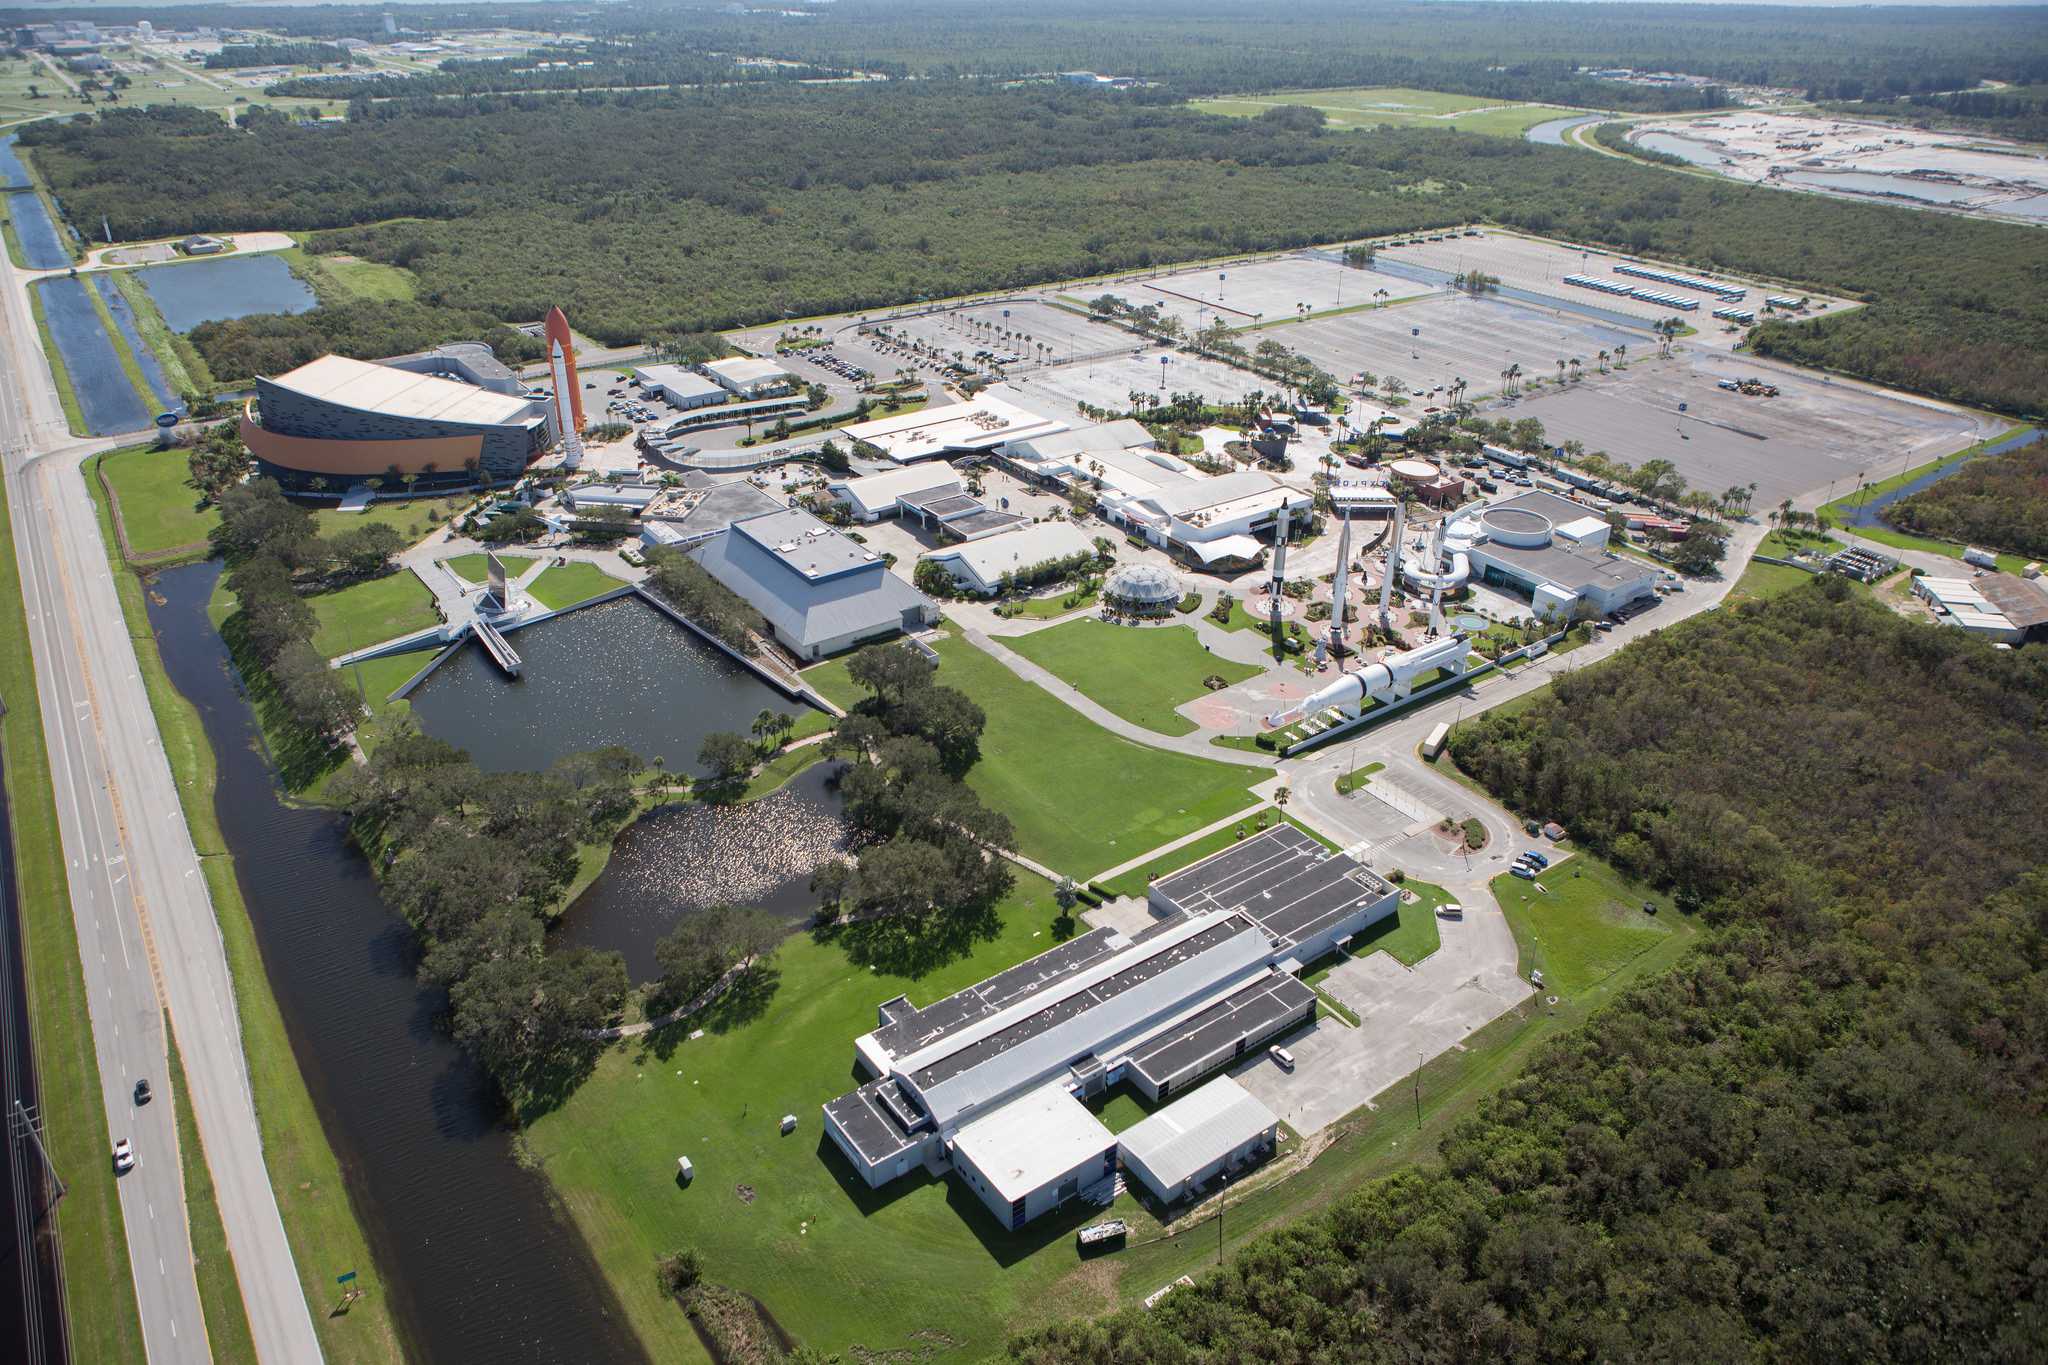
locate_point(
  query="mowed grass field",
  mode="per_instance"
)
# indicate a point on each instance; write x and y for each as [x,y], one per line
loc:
[1586,924]
[160,510]
[918,1271]
[476,567]
[567,584]
[362,614]
[1140,673]
[1404,108]
[1082,799]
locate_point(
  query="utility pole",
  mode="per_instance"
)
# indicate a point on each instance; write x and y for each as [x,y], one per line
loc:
[25,1120]
[1418,1090]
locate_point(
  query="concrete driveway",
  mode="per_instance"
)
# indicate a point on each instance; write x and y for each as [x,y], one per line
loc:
[1406,1014]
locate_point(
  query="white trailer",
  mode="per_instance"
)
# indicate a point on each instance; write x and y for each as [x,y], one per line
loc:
[1434,745]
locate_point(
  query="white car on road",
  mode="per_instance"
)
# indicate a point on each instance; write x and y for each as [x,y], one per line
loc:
[124,1157]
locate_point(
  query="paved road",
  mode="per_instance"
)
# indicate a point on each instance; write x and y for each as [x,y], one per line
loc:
[147,935]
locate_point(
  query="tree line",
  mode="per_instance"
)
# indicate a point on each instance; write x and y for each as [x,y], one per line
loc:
[2000,503]
[661,212]
[1819,1136]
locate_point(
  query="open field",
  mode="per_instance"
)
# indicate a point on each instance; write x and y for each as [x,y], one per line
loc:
[1141,674]
[364,613]
[1082,799]
[1586,923]
[160,510]
[1814,434]
[1403,108]
[919,1267]
[1268,290]
[410,517]
[567,584]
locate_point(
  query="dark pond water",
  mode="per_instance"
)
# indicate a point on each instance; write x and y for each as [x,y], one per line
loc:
[1551,133]
[145,357]
[690,856]
[106,398]
[192,292]
[620,673]
[41,246]
[480,1265]
[1867,512]
[13,175]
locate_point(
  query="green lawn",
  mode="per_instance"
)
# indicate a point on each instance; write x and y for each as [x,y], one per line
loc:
[1140,673]
[160,510]
[1058,604]
[343,279]
[917,1271]
[1082,799]
[1403,108]
[99,1292]
[362,614]
[567,584]
[1759,582]
[1586,924]
[474,568]
[412,518]
[1410,934]
[1351,781]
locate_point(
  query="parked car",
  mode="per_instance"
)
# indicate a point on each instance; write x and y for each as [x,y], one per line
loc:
[124,1157]
[1540,859]
[1281,1057]
[142,1091]
[1451,910]
[1524,871]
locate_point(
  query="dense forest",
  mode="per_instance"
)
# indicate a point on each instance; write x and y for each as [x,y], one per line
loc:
[1820,1136]
[2000,503]
[235,55]
[2016,112]
[652,212]
[1486,47]
[596,66]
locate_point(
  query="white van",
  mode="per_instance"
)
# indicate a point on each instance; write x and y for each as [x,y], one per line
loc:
[1281,1057]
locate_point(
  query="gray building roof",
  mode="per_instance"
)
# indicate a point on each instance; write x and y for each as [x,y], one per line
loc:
[1568,566]
[1290,885]
[813,584]
[1192,1133]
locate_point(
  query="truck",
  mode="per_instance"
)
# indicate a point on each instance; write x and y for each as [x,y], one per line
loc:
[1983,559]
[1434,745]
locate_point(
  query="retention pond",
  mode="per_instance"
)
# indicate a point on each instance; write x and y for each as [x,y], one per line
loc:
[192,292]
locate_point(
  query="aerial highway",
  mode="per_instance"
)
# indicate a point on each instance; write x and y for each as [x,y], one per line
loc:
[149,943]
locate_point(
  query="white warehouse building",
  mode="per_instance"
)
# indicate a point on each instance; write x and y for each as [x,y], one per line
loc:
[1208,1132]
[1554,552]
[748,377]
[978,566]
[684,389]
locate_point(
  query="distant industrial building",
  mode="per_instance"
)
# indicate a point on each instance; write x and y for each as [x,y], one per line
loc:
[820,591]
[980,565]
[684,389]
[1554,552]
[1214,523]
[871,497]
[334,422]
[2001,607]
[747,377]
[991,1082]
[981,423]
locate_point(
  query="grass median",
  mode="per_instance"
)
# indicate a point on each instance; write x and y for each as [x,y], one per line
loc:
[161,513]
[99,1290]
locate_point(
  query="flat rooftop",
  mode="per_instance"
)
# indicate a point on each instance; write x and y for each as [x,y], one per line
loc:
[804,544]
[1249,1011]
[1142,967]
[1033,1140]
[980,423]
[1189,1134]
[877,1119]
[1282,880]
[747,369]
[910,1029]
[403,393]
[687,383]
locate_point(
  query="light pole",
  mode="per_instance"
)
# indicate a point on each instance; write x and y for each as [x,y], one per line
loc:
[1163,362]
[1222,1200]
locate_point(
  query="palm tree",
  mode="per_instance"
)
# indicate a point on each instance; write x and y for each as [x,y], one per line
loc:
[1560,372]
[1603,361]
[1576,363]
[1621,353]
[764,724]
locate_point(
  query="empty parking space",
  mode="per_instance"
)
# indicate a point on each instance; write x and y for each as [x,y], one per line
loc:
[1264,291]
[1109,381]
[1434,341]
[1812,435]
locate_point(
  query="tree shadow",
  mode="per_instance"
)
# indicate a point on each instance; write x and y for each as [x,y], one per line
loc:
[546,1084]
[909,946]
[740,1004]
[301,755]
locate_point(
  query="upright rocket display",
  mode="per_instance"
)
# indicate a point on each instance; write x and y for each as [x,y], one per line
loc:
[568,389]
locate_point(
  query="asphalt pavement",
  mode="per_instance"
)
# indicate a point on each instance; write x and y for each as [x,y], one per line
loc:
[148,940]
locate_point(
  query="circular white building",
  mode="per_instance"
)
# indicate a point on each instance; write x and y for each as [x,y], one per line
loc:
[1141,590]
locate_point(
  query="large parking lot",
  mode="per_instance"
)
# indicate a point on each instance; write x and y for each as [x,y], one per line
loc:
[1029,326]
[1108,382]
[1433,341]
[1243,295]
[1815,433]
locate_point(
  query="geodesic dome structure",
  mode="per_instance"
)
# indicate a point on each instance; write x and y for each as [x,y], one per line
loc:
[1141,590]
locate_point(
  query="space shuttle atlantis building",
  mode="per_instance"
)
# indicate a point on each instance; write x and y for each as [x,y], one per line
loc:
[568,389]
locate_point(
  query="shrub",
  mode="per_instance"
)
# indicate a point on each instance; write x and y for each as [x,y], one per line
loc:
[678,1272]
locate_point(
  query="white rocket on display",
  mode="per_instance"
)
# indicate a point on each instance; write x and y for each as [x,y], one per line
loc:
[1391,679]
[1337,588]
